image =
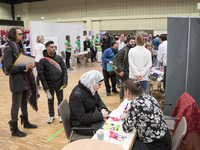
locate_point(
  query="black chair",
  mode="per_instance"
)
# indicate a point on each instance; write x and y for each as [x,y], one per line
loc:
[63,55]
[70,132]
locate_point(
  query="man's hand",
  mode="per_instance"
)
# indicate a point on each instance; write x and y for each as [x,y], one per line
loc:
[121,74]
[111,63]
[29,66]
[139,77]
[46,91]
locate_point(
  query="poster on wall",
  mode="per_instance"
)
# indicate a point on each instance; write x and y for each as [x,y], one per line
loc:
[159,32]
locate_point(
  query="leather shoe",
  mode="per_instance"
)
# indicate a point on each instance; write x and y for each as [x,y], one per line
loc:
[108,93]
[116,92]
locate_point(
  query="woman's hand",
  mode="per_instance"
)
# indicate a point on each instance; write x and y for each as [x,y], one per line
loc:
[122,116]
[104,113]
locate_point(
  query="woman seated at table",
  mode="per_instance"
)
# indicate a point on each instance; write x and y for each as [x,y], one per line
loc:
[146,116]
[87,108]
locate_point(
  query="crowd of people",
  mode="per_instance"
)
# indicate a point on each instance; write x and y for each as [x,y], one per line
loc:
[135,55]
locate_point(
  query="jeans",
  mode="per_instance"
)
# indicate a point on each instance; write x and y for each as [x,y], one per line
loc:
[144,85]
[19,99]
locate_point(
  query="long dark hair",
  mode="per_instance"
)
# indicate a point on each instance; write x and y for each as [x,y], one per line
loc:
[67,38]
[12,33]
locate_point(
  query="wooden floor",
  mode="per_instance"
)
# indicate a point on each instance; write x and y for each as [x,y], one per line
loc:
[37,138]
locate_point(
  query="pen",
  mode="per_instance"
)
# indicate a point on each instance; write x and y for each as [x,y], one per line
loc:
[126,106]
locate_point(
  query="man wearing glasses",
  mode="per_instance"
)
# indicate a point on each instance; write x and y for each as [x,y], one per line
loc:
[53,75]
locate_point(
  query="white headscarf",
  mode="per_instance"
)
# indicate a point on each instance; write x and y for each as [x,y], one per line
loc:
[90,78]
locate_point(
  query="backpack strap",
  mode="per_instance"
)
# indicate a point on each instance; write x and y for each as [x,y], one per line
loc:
[53,62]
[125,54]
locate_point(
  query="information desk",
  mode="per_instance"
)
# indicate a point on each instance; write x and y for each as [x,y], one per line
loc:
[91,144]
[128,142]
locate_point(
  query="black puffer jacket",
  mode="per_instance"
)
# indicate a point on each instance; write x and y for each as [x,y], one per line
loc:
[85,108]
[49,75]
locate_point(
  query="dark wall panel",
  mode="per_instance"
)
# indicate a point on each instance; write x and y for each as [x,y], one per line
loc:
[176,60]
[193,87]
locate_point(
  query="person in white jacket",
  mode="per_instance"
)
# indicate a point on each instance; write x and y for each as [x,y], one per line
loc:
[139,62]
[39,47]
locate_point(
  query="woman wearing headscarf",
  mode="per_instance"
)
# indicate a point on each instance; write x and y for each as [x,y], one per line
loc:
[87,108]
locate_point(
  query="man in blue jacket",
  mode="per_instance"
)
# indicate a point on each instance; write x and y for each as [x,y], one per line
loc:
[107,58]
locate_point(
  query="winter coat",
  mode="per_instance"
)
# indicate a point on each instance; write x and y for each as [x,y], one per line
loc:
[49,75]
[85,108]
[16,77]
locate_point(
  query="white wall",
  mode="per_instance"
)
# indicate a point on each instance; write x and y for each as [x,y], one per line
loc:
[59,30]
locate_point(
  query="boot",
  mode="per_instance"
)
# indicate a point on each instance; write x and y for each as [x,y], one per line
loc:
[14,129]
[24,120]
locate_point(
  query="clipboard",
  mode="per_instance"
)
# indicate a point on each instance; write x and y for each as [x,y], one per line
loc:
[24,59]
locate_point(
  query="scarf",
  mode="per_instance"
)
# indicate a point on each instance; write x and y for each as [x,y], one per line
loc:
[32,92]
[90,78]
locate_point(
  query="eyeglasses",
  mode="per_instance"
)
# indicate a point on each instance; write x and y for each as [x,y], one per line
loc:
[20,34]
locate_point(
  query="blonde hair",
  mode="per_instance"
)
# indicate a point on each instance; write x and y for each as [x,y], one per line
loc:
[39,39]
[140,40]
[148,44]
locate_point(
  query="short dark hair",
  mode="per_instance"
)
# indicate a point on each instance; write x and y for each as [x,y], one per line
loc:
[12,33]
[77,37]
[130,38]
[133,86]
[121,34]
[163,37]
[113,42]
[48,43]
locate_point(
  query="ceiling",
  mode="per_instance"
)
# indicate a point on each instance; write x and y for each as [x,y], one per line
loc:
[18,1]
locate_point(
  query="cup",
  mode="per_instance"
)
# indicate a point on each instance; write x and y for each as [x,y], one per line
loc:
[100,135]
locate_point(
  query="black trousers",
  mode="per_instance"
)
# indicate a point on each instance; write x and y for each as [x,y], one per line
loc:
[108,76]
[161,144]
[37,78]
[59,94]
[68,55]
[18,100]
[93,53]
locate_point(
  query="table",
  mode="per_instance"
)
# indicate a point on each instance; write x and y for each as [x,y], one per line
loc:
[91,144]
[131,136]
[80,54]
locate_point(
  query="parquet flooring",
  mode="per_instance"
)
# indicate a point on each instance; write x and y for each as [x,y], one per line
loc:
[36,138]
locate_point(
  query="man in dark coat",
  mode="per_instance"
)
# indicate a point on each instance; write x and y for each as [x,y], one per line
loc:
[105,42]
[123,65]
[53,75]
[20,83]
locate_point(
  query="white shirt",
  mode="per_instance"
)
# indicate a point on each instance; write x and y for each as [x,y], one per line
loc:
[39,47]
[121,44]
[162,53]
[140,62]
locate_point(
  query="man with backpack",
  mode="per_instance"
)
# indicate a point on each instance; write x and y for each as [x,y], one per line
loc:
[53,75]
[123,65]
